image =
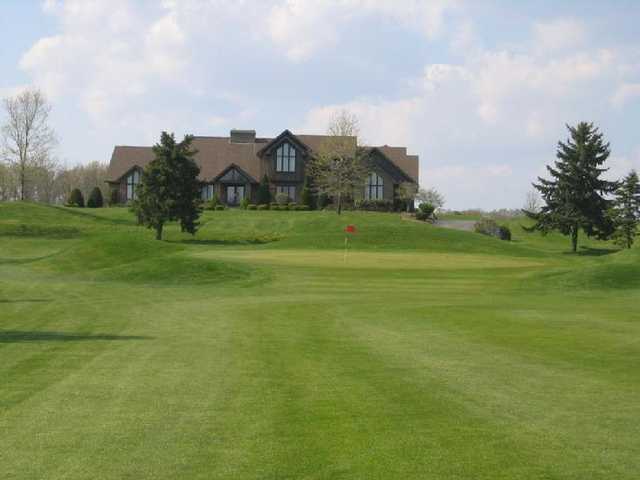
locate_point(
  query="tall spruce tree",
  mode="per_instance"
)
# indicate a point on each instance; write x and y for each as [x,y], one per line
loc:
[627,209]
[575,196]
[169,188]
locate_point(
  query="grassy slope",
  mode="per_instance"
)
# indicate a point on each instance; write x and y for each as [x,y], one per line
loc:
[429,353]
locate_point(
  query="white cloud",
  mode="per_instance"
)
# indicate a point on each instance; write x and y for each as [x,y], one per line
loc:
[303,27]
[507,105]
[559,34]
[625,93]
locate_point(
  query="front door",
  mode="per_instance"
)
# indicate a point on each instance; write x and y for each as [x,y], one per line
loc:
[235,193]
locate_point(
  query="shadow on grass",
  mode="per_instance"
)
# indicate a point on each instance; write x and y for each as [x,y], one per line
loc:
[19,336]
[86,213]
[246,241]
[25,300]
[593,252]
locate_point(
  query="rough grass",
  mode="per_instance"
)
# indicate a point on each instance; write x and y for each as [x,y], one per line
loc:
[257,350]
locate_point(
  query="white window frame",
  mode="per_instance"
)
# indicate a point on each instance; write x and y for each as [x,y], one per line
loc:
[374,189]
[286,158]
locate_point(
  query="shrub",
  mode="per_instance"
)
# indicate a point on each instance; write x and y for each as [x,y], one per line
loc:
[213,203]
[263,206]
[488,226]
[306,196]
[95,198]
[292,205]
[220,207]
[505,233]
[425,212]
[282,198]
[252,206]
[244,203]
[303,207]
[75,198]
[375,205]
[273,205]
[263,195]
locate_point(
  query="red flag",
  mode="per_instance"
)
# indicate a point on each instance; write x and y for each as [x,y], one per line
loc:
[350,229]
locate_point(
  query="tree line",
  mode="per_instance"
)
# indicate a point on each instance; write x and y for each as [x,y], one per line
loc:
[29,169]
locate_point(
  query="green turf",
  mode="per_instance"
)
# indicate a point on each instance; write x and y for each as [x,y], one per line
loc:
[257,351]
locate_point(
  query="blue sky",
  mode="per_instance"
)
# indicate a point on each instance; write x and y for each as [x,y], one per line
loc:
[480,89]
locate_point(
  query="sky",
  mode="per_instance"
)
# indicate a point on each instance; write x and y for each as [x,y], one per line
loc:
[481,90]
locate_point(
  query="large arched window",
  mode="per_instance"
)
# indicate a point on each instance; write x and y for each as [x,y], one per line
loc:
[133,179]
[286,158]
[374,190]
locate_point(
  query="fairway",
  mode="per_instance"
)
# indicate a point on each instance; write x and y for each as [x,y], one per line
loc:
[258,350]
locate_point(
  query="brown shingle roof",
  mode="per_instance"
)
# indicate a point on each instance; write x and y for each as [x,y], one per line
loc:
[215,154]
[409,164]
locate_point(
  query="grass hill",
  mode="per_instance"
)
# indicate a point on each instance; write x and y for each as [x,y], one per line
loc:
[257,349]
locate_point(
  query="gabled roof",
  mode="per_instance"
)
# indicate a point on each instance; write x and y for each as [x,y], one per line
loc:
[286,135]
[216,154]
[408,164]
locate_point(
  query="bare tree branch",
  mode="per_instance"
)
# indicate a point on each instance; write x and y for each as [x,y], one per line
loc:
[27,139]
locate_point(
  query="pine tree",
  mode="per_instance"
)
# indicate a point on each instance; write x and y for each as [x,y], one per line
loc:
[95,198]
[263,195]
[575,197]
[627,210]
[169,188]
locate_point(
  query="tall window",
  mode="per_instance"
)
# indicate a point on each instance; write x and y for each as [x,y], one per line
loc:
[288,190]
[133,179]
[207,192]
[374,190]
[285,158]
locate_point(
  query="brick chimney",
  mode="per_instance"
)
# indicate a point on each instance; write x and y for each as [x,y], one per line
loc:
[242,136]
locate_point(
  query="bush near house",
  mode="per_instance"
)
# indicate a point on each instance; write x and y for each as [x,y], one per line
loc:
[488,226]
[244,203]
[220,207]
[264,206]
[95,199]
[425,212]
[252,206]
[75,199]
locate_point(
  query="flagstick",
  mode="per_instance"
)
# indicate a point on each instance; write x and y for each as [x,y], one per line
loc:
[346,240]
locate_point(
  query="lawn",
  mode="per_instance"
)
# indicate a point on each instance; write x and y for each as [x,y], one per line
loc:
[256,350]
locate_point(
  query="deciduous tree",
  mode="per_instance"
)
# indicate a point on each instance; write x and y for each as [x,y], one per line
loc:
[339,168]
[27,139]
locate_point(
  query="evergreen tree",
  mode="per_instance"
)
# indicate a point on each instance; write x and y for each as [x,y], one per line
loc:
[169,188]
[575,196]
[306,196]
[95,198]
[627,209]
[76,199]
[263,195]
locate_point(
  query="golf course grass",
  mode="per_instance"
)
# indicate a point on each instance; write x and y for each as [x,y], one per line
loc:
[258,350]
